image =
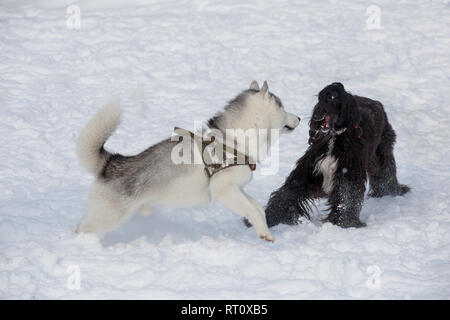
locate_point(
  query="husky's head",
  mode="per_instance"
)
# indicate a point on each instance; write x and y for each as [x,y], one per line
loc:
[265,110]
[255,110]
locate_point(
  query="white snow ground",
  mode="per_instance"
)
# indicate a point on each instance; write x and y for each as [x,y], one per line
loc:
[174,62]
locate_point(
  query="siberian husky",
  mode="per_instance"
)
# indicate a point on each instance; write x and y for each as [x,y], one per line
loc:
[139,183]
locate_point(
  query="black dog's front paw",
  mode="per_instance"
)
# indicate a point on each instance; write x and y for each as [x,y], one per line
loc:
[345,221]
[352,224]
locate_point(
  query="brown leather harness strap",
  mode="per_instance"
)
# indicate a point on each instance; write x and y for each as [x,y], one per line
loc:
[213,168]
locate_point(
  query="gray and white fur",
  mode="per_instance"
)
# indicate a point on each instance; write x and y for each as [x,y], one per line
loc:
[140,183]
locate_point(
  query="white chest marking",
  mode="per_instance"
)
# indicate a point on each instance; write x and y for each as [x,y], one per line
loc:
[327,167]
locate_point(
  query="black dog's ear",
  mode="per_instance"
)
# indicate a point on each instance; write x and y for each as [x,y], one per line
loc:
[350,109]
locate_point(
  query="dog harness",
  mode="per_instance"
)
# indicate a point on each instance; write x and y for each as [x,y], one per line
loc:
[356,127]
[224,162]
[341,131]
[345,129]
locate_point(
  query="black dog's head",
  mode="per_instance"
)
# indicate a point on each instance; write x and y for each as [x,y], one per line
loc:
[336,110]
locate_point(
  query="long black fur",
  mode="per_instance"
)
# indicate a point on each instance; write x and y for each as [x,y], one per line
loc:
[364,149]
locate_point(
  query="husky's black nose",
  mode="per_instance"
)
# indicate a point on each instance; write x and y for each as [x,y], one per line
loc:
[299,119]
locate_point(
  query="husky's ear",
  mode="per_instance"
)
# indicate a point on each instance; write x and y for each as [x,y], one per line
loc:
[265,89]
[254,85]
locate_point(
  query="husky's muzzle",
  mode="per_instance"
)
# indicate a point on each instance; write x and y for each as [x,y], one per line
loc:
[294,123]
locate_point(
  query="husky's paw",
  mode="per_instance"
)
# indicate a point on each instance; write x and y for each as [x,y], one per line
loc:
[267,237]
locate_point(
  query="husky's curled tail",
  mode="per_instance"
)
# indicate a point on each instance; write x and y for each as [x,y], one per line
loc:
[90,149]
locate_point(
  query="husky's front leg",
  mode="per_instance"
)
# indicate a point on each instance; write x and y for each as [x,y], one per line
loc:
[226,187]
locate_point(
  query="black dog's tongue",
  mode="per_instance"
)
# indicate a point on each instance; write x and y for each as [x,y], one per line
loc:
[327,121]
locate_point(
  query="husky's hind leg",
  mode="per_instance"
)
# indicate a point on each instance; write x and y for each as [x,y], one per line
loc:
[105,212]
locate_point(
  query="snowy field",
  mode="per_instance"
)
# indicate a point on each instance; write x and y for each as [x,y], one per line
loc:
[175,62]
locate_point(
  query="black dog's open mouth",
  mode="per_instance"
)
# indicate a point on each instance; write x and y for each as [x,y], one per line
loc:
[325,124]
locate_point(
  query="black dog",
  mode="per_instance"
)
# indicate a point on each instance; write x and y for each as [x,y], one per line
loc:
[350,137]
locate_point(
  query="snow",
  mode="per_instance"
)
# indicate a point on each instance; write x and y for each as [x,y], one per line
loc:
[176,62]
